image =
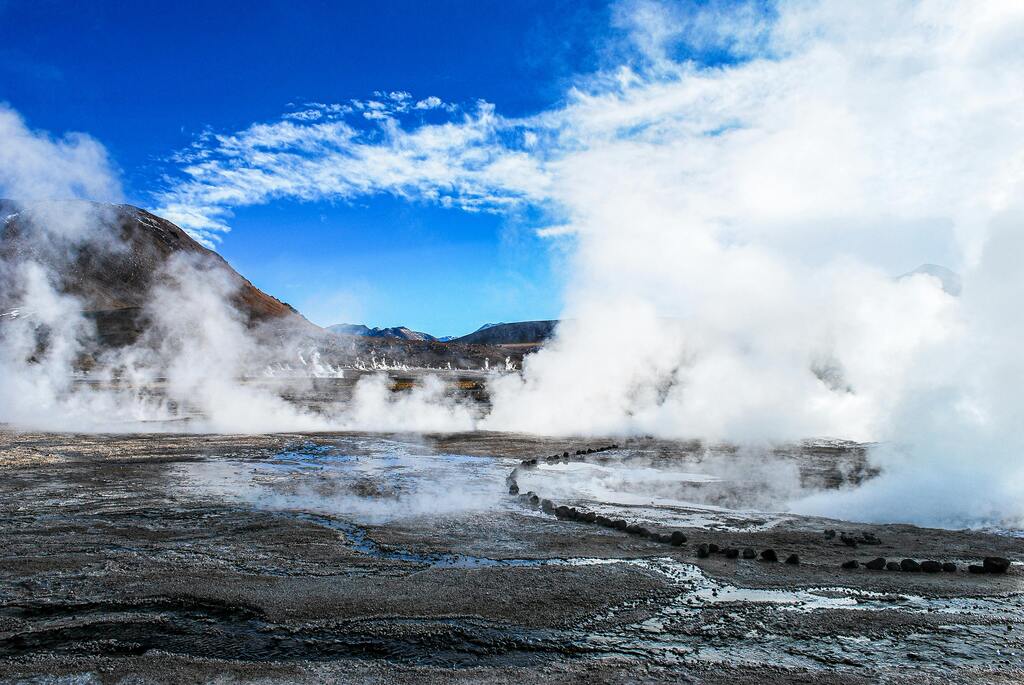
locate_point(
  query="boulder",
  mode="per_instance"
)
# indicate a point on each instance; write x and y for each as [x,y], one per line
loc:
[851,564]
[513,489]
[829,534]
[619,524]
[749,553]
[769,555]
[848,540]
[793,560]
[703,552]
[876,564]
[589,517]
[713,548]
[562,512]
[732,553]
[931,566]
[892,566]
[949,567]
[995,565]
[642,532]
[547,505]
[603,521]
[909,566]
[975,568]
[677,538]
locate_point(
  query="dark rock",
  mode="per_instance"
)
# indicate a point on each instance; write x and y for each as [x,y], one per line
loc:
[829,534]
[565,455]
[847,540]
[876,564]
[749,553]
[931,566]
[562,512]
[574,513]
[732,553]
[534,500]
[513,489]
[892,566]
[603,521]
[713,548]
[769,555]
[793,560]
[995,565]
[869,539]
[589,517]
[949,567]
[632,528]
[851,564]
[975,568]
[642,532]
[547,505]
[703,552]
[677,538]
[909,566]
[619,524]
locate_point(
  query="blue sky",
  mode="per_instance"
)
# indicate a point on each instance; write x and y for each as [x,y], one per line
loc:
[147,79]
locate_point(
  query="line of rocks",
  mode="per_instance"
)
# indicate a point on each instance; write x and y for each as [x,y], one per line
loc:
[676,538]
[993,565]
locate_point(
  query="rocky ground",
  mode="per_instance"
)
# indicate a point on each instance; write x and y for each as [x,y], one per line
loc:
[367,558]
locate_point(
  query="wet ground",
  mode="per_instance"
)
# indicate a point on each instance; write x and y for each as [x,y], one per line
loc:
[369,558]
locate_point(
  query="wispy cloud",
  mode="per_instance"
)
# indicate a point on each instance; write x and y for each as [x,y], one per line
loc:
[473,160]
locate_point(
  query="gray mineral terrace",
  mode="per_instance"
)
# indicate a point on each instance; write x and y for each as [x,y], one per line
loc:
[474,557]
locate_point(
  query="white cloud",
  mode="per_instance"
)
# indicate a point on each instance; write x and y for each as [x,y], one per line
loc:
[461,163]
[432,102]
[36,166]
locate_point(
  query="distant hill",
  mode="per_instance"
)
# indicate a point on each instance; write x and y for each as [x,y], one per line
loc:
[397,332]
[520,333]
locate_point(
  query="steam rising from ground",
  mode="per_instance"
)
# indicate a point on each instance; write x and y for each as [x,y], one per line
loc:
[735,233]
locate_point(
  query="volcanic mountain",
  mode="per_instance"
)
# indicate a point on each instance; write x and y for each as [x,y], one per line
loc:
[109,257]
